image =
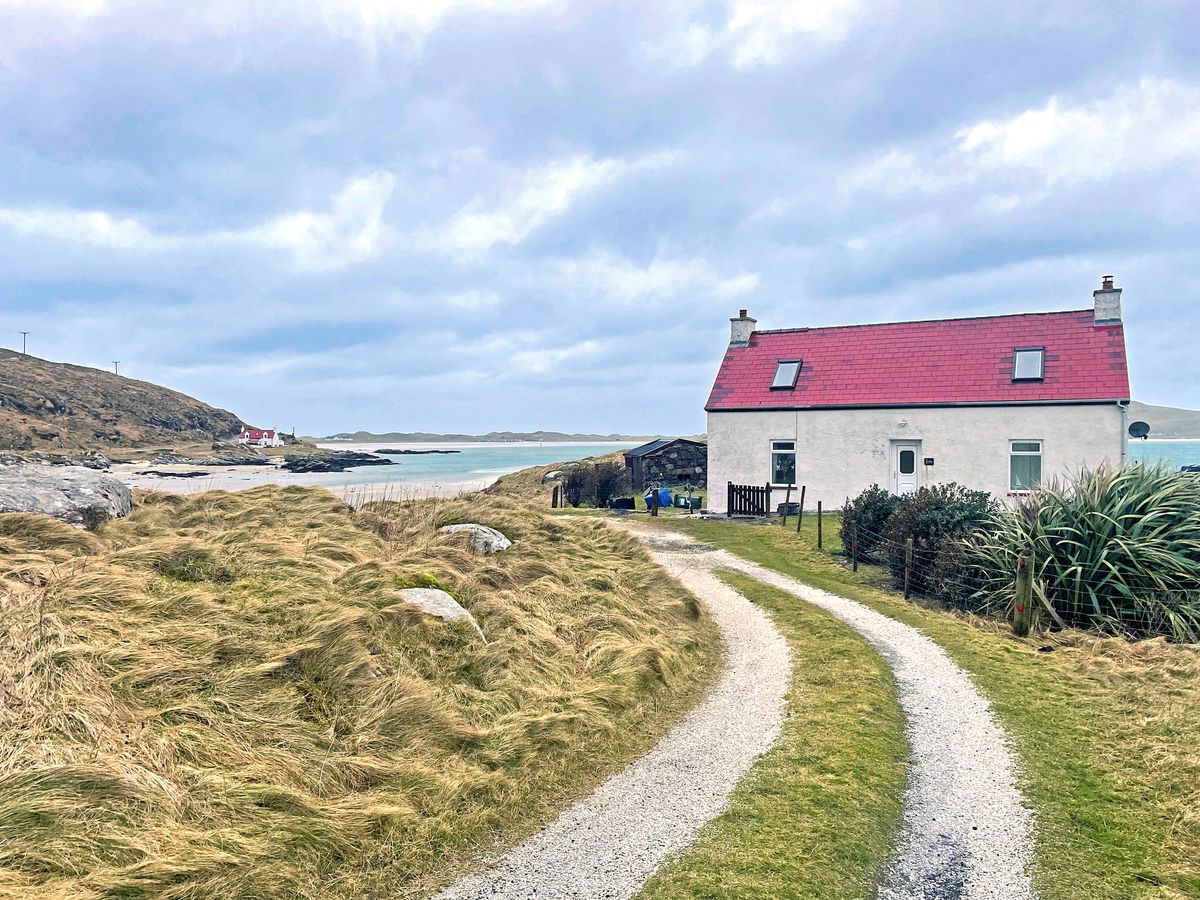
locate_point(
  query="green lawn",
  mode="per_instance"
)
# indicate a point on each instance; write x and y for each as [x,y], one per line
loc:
[1107,731]
[815,817]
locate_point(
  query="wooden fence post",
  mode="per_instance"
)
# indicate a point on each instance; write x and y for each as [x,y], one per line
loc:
[800,514]
[787,500]
[819,544]
[1023,611]
[729,501]
[853,545]
[554,498]
[654,501]
[908,557]
[767,499]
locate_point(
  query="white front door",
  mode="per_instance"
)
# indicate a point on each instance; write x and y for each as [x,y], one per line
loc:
[905,479]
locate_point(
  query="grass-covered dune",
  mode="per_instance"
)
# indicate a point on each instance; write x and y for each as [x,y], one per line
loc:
[225,696]
[527,484]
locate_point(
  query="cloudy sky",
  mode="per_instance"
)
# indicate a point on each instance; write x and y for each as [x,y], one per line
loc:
[518,214]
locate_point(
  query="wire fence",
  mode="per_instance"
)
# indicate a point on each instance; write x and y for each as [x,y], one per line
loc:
[1058,595]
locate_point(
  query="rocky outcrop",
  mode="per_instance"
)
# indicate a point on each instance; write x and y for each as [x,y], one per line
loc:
[438,603]
[482,538]
[333,461]
[88,459]
[226,458]
[49,405]
[76,495]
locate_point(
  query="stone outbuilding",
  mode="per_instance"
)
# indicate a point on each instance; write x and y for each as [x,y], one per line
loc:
[672,461]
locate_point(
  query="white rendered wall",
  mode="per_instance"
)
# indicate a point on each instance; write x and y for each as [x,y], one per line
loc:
[839,452]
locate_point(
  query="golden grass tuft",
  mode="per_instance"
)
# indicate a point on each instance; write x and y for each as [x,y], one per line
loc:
[225,695]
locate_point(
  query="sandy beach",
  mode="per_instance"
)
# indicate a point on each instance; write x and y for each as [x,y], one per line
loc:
[240,478]
[467,467]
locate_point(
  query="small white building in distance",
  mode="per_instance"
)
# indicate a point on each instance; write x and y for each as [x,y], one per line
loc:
[997,403]
[260,437]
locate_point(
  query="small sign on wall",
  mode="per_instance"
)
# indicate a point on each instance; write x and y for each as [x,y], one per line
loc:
[929,460]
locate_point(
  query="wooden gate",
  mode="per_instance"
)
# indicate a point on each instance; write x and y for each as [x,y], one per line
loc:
[748,500]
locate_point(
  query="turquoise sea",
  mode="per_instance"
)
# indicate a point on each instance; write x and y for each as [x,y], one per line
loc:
[1173,453]
[475,464]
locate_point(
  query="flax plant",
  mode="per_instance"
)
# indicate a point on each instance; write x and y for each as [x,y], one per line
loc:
[1116,550]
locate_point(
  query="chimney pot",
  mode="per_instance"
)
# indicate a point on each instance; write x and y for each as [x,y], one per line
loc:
[1107,282]
[741,313]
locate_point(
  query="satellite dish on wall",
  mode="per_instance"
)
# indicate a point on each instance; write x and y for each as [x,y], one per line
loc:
[1139,430]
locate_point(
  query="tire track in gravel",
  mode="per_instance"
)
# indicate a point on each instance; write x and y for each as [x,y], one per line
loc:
[609,844]
[966,830]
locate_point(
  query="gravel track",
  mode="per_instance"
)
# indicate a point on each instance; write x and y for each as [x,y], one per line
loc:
[966,832]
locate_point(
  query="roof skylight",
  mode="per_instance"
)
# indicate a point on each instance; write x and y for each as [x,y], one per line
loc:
[1029,363]
[786,373]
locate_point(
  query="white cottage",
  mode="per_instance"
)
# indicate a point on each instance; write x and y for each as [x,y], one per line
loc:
[997,403]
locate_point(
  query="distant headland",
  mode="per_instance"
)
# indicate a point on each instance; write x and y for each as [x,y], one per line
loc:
[425,437]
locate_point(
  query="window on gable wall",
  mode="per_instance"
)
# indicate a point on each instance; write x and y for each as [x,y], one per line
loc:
[1024,465]
[786,373]
[1029,363]
[783,462]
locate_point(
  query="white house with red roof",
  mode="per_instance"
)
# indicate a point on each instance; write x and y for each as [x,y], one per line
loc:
[998,403]
[260,437]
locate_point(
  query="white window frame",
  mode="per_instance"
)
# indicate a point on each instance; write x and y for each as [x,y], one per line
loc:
[775,451]
[1013,453]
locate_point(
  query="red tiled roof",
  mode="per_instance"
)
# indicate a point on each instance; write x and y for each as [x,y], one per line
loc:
[933,362]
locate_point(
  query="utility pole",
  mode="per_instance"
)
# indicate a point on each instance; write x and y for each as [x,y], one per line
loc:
[116,363]
[24,334]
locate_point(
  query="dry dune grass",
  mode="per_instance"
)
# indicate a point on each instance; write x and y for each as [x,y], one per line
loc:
[225,696]
[527,483]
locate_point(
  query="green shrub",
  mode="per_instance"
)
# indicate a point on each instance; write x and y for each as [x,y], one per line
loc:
[933,517]
[612,480]
[596,484]
[1113,549]
[869,512]
[580,485]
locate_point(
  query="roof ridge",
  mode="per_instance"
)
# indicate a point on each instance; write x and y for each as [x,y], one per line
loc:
[800,330]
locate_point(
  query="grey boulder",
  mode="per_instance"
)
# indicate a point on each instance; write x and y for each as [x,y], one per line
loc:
[483,539]
[75,495]
[438,603]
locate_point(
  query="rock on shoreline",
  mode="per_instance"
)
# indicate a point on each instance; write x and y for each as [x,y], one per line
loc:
[73,494]
[236,458]
[333,461]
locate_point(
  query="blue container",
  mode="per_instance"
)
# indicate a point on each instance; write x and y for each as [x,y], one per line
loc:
[664,497]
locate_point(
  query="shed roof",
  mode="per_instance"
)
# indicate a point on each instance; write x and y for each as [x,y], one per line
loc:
[654,446]
[935,362]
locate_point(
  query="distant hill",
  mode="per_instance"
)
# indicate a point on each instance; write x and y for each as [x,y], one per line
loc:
[46,405]
[1167,421]
[425,437]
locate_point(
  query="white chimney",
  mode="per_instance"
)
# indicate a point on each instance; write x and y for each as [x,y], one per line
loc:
[742,327]
[1108,303]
